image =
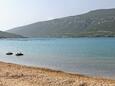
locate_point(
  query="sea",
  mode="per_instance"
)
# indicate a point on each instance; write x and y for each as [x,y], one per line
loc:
[87,56]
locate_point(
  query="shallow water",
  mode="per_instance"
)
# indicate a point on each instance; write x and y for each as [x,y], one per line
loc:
[89,56]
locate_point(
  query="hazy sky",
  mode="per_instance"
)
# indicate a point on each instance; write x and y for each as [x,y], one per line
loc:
[14,13]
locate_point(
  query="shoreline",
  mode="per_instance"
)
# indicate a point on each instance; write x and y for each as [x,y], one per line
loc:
[21,75]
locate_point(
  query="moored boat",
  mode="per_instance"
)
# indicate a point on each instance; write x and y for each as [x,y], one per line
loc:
[9,53]
[19,54]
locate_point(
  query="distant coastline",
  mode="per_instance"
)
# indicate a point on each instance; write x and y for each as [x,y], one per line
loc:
[74,36]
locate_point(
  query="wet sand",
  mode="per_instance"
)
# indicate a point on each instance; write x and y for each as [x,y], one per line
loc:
[19,75]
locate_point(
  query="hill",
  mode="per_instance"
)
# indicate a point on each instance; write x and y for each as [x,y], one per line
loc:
[9,35]
[94,23]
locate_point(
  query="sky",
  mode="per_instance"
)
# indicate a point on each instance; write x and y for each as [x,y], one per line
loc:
[15,13]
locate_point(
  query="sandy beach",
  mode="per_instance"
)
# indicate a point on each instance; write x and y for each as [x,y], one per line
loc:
[19,75]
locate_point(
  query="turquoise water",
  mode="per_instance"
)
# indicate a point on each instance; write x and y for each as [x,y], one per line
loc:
[89,56]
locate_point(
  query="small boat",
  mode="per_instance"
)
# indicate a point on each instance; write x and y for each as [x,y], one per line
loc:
[9,53]
[19,54]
